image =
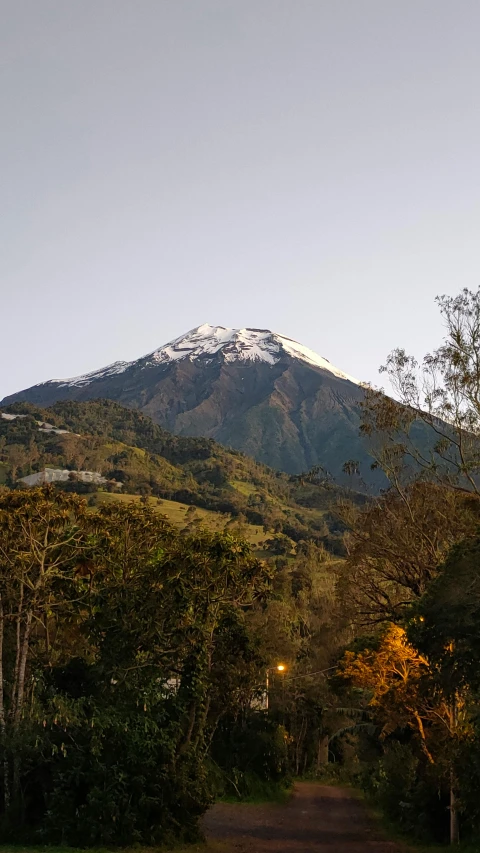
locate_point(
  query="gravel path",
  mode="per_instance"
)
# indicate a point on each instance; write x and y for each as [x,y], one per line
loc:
[317,819]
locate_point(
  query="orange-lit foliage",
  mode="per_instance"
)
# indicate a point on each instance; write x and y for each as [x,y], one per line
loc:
[400,690]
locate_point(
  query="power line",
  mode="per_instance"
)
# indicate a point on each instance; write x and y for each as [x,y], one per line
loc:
[315,672]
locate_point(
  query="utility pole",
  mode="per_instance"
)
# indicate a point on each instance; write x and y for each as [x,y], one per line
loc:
[454,828]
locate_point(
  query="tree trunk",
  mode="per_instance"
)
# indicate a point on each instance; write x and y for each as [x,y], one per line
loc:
[185,742]
[18,623]
[322,754]
[19,699]
[6,774]
[22,666]
[299,745]
[454,829]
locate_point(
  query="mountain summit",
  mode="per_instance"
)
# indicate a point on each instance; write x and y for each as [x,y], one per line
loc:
[239,345]
[250,389]
[206,342]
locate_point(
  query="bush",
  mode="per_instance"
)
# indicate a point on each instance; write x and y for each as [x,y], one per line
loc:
[251,754]
[116,782]
[409,792]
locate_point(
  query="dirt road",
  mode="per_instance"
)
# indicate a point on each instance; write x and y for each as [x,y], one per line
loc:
[317,819]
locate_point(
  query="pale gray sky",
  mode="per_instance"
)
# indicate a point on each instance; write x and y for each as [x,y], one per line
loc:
[308,166]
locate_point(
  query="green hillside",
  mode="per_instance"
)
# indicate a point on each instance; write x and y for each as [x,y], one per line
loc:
[191,480]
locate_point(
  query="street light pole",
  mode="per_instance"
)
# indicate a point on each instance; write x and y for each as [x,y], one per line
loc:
[280,667]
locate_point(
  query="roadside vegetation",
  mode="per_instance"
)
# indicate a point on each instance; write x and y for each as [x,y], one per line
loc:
[411,584]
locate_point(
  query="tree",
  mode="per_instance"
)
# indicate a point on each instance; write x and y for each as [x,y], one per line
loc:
[445,626]
[391,676]
[16,457]
[403,693]
[446,622]
[435,430]
[395,545]
[42,540]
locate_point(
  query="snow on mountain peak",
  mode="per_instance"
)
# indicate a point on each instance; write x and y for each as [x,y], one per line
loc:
[240,345]
[204,342]
[87,378]
[236,344]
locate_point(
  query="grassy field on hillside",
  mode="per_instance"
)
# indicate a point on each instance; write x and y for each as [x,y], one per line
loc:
[177,514]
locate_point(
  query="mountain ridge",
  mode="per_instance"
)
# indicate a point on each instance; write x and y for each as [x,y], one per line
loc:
[248,344]
[251,389]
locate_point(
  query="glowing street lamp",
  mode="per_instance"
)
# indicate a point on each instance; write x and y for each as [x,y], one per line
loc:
[280,667]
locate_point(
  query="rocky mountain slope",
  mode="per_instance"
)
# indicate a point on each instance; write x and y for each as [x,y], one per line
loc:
[249,389]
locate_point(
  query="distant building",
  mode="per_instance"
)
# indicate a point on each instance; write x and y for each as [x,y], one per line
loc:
[59,475]
[43,426]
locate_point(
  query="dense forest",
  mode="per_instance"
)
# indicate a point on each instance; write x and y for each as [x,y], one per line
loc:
[139,660]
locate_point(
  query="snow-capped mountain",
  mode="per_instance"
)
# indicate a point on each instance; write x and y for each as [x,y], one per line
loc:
[250,389]
[205,342]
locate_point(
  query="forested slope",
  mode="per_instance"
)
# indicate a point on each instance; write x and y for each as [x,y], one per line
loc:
[138,457]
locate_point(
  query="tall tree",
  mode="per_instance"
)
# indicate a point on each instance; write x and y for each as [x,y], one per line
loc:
[395,544]
[436,429]
[42,540]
